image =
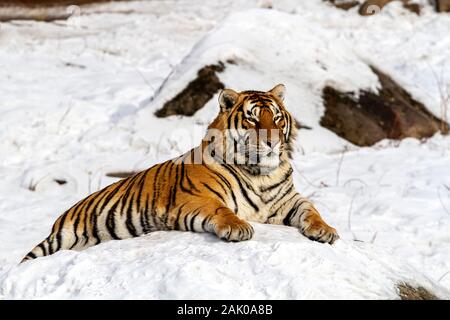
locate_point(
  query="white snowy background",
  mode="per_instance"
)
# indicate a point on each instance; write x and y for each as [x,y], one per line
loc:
[77,99]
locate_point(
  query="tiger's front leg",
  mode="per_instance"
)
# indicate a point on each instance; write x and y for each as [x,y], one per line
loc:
[300,213]
[214,218]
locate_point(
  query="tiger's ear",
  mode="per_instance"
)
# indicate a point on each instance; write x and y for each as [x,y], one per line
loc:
[227,99]
[278,91]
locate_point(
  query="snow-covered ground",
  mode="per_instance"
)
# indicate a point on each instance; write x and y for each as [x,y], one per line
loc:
[77,102]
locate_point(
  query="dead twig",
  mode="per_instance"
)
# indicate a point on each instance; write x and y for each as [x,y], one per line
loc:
[356,180]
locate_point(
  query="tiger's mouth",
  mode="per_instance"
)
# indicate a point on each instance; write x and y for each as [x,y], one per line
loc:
[263,157]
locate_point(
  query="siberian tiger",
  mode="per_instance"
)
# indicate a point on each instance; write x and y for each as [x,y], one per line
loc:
[240,171]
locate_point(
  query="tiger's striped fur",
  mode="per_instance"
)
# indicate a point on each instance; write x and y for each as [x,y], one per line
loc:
[212,196]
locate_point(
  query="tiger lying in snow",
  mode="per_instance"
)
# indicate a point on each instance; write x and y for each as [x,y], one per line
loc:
[239,172]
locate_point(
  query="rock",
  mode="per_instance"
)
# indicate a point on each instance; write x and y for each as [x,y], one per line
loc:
[442,5]
[391,113]
[409,292]
[196,94]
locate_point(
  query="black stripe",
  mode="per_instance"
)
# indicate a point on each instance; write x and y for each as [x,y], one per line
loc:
[191,184]
[75,226]
[177,219]
[41,245]
[110,220]
[78,212]
[186,217]
[125,205]
[144,217]
[174,195]
[276,194]
[183,176]
[291,187]
[50,247]
[58,234]
[228,184]
[225,192]
[244,193]
[240,178]
[273,186]
[94,217]
[144,211]
[207,220]
[236,121]
[230,117]
[287,219]
[191,223]
[185,221]
[143,221]
[31,255]
[293,211]
[125,200]
[214,191]
[169,197]
[129,222]
[140,190]
[165,216]
[95,196]
[113,192]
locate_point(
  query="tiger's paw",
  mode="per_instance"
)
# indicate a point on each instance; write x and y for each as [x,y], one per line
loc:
[320,231]
[235,231]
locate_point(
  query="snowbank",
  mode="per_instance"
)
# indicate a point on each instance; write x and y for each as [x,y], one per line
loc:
[278,263]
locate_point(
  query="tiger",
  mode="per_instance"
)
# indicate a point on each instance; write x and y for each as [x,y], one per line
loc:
[205,189]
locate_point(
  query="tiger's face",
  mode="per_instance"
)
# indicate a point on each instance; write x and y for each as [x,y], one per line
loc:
[257,129]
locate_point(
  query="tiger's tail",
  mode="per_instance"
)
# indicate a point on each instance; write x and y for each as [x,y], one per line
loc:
[42,249]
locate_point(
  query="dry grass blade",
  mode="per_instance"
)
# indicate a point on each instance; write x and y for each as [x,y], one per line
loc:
[338,172]
[443,276]
[442,202]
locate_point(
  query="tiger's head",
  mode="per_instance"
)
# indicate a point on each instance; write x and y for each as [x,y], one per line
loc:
[256,131]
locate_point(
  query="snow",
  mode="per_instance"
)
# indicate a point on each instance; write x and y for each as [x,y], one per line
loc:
[277,263]
[78,102]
